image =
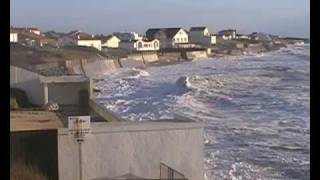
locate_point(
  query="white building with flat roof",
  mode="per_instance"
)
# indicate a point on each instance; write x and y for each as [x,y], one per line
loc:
[140,45]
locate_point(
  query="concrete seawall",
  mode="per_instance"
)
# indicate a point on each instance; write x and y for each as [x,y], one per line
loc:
[115,149]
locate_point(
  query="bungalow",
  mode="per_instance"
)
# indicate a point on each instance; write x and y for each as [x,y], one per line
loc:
[140,45]
[78,38]
[110,41]
[168,37]
[28,30]
[201,35]
[32,39]
[228,34]
[13,35]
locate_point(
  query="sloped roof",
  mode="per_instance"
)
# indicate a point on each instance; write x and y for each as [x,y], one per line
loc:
[105,38]
[226,31]
[169,32]
[198,28]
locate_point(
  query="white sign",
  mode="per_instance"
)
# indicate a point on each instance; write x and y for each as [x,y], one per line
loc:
[79,126]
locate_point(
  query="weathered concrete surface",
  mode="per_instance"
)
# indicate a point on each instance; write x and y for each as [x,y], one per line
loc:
[130,63]
[150,57]
[170,56]
[197,55]
[115,149]
[103,112]
[66,93]
[27,81]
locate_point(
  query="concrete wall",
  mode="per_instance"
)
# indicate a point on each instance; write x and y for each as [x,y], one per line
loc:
[115,149]
[99,67]
[129,63]
[29,82]
[150,56]
[66,93]
[197,54]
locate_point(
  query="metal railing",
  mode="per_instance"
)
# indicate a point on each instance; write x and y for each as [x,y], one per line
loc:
[168,173]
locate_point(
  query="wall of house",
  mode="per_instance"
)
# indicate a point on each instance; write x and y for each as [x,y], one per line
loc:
[164,41]
[197,54]
[181,37]
[112,43]
[13,37]
[148,46]
[130,46]
[90,43]
[115,149]
[29,82]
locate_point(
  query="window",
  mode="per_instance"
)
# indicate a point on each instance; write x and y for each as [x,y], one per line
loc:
[156,44]
[139,45]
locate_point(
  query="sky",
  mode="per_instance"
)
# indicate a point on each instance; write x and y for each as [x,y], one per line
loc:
[279,17]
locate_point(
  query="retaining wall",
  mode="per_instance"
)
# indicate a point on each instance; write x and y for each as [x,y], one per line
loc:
[115,149]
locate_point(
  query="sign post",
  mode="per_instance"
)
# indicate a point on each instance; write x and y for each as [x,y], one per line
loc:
[79,127]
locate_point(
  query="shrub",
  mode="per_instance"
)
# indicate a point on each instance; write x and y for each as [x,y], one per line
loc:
[13,104]
[21,171]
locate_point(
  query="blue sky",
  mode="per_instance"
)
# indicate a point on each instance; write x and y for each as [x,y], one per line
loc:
[282,17]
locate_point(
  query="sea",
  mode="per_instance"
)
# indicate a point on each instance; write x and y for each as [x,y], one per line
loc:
[255,108]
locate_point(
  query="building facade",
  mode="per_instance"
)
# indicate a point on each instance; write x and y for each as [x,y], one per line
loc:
[78,38]
[111,41]
[13,36]
[228,34]
[201,35]
[169,37]
[140,45]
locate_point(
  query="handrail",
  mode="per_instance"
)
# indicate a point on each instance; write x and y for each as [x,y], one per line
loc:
[170,174]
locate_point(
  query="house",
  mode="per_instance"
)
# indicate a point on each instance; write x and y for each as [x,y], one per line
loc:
[228,34]
[31,39]
[28,30]
[13,35]
[201,35]
[140,45]
[78,38]
[110,41]
[242,36]
[258,36]
[127,36]
[168,37]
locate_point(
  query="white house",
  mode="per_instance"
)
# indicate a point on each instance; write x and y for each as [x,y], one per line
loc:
[201,35]
[140,45]
[13,36]
[168,37]
[78,38]
[228,34]
[110,41]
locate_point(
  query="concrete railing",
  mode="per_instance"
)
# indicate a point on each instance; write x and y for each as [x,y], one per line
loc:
[103,112]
